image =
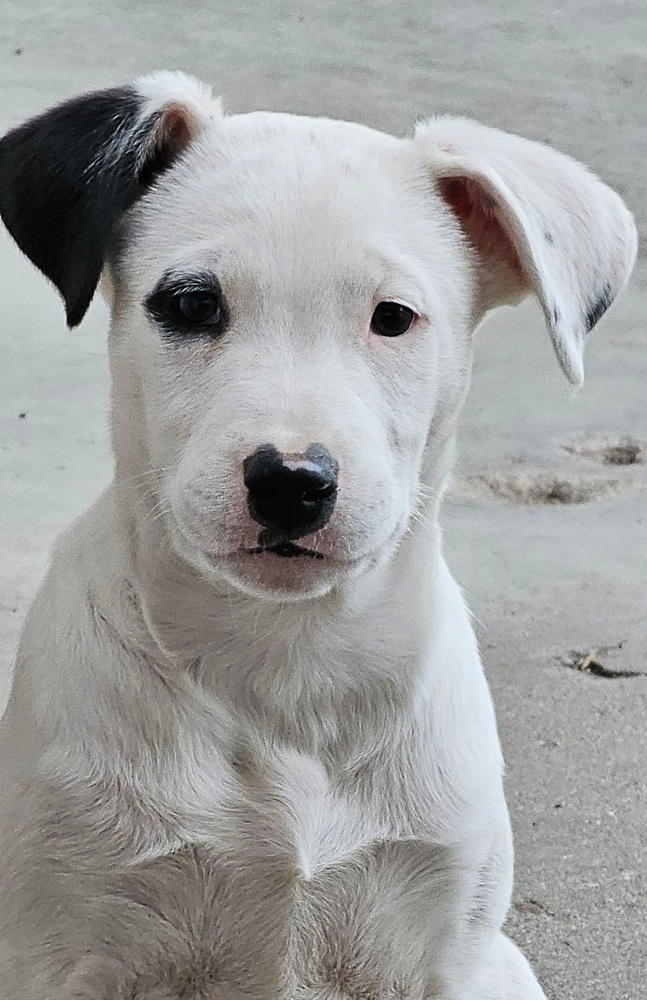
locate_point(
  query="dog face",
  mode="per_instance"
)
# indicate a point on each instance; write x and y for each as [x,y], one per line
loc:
[296,308]
[293,302]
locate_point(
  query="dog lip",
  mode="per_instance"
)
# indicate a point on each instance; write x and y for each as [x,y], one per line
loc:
[331,559]
[286,549]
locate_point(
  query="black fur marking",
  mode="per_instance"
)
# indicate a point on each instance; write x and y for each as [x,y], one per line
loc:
[598,308]
[556,316]
[548,236]
[62,187]
[158,162]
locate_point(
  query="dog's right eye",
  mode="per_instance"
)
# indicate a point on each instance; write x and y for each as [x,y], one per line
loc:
[189,307]
[198,308]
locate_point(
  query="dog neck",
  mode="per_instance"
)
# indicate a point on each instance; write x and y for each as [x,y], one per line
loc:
[290,671]
[175,647]
[128,630]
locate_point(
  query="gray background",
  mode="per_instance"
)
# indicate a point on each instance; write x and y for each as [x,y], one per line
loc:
[542,579]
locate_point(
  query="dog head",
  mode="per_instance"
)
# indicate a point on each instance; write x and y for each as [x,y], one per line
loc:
[293,301]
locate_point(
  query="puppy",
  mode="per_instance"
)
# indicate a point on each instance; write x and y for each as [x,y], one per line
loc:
[249,750]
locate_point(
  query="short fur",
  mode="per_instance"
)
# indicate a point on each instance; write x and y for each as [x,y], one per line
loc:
[229,775]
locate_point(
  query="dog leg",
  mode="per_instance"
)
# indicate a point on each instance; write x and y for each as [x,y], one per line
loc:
[520,980]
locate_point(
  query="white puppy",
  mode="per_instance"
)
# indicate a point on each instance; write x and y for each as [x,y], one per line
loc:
[249,750]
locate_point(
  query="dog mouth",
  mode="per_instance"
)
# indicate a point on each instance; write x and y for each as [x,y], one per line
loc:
[286,550]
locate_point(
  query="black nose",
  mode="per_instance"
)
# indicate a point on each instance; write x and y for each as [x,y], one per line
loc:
[292,495]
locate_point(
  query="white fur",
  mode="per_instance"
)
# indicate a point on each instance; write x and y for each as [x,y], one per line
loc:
[224,781]
[164,88]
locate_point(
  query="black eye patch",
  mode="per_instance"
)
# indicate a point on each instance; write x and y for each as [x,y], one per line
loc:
[188,306]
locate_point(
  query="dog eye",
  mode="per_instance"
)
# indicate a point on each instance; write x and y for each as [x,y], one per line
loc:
[188,305]
[198,308]
[392,319]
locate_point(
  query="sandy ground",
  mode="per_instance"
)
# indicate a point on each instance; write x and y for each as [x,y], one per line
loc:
[543,579]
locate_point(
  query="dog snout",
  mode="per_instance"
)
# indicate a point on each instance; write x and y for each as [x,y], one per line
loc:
[291,495]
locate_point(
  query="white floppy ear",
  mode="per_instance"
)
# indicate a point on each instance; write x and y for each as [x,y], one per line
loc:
[540,223]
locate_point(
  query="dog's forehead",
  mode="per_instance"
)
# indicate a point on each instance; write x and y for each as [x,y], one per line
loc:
[264,159]
[265,184]
[256,127]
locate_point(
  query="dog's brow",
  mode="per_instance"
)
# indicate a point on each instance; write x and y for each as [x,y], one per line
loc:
[181,280]
[399,276]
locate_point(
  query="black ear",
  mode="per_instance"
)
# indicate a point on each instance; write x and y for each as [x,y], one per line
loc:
[69,174]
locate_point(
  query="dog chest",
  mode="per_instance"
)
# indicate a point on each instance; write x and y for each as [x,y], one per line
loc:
[211,926]
[298,894]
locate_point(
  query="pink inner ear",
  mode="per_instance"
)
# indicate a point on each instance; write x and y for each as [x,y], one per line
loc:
[479,215]
[173,135]
[175,129]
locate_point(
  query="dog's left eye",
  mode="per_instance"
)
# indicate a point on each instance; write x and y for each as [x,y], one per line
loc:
[392,319]
[189,307]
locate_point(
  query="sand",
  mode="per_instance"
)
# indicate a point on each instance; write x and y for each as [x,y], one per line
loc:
[565,572]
